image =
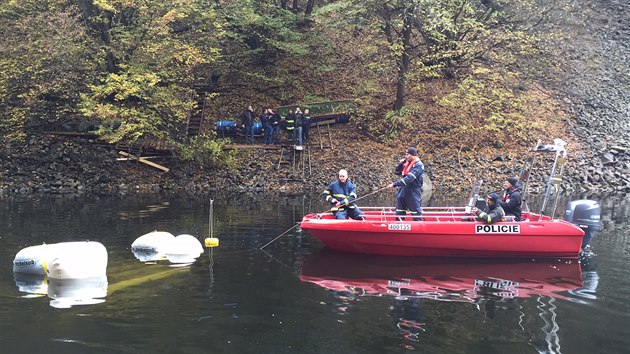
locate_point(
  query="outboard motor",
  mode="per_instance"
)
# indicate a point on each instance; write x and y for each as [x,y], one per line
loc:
[586,215]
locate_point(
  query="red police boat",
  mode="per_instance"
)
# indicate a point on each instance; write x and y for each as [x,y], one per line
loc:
[448,231]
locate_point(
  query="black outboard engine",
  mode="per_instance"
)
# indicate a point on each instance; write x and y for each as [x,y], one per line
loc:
[586,215]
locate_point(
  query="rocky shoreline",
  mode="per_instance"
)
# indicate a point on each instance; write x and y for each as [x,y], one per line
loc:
[62,165]
[594,83]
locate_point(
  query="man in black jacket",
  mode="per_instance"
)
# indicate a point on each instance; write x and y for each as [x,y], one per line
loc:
[247,121]
[306,126]
[511,201]
[275,127]
[299,117]
[493,211]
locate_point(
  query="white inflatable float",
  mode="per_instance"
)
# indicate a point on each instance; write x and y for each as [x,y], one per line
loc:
[35,284]
[152,246]
[66,260]
[184,249]
[32,260]
[160,245]
[66,293]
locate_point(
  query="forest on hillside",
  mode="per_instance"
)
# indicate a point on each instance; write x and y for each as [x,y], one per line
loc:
[466,73]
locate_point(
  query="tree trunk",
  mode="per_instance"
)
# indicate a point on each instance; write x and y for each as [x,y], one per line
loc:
[91,15]
[283,4]
[296,5]
[309,7]
[403,65]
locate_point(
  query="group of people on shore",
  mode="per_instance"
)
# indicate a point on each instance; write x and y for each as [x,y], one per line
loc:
[342,194]
[296,123]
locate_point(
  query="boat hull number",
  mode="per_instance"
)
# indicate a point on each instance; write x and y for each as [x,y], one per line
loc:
[399,227]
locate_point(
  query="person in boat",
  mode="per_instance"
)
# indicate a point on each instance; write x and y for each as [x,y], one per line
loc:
[409,196]
[493,211]
[511,201]
[341,194]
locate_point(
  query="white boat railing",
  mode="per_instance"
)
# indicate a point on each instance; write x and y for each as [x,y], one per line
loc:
[434,214]
[425,210]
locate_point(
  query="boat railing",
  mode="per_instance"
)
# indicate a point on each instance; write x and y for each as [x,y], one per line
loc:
[425,210]
[428,218]
[430,214]
[388,214]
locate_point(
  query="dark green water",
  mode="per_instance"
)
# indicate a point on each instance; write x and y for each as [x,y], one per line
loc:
[295,297]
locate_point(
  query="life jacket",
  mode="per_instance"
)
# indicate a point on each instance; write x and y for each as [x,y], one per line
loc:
[290,122]
[409,165]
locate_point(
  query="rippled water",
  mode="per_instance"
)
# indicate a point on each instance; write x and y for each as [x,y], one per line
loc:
[296,296]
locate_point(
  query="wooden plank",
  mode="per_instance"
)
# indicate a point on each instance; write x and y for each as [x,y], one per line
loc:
[79,134]
[144,161]
[135,158]
[330,136]
[251,146]
[324,122]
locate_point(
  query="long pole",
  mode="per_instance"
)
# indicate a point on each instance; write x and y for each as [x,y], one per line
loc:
[210,217]
[296,225]
[210,254]
[361,197]
[282,234]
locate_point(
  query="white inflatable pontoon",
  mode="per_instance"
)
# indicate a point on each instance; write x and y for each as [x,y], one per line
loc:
[66,260]
[152,246]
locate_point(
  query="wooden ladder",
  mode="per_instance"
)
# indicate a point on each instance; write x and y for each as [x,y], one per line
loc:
[319,135]
[197,114]
[136,148]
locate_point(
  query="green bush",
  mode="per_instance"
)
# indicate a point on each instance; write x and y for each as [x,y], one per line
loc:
[207,151]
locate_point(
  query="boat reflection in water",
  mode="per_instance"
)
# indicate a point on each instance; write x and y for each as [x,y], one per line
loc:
[64,293]
[410,279]
[446,279]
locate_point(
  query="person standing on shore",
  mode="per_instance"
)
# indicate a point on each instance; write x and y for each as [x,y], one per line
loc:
[265,119]
[299,117]
[275,127]
[306,126]
[289,124]
[247,120]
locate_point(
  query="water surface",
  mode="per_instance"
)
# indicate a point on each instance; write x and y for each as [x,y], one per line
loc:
[296,296]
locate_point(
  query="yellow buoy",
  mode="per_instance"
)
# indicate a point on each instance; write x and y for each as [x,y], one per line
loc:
[211,242]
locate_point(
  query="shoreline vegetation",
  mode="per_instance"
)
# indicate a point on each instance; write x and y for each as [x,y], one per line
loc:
[473,96]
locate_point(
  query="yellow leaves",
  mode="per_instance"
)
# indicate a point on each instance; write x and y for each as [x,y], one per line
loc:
[104,5]
[489,105]
[189,55]
[397,48]
[124,86]
[171,16]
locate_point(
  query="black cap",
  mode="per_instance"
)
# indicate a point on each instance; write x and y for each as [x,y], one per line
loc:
[512,180]
[412,151]
[494,197]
